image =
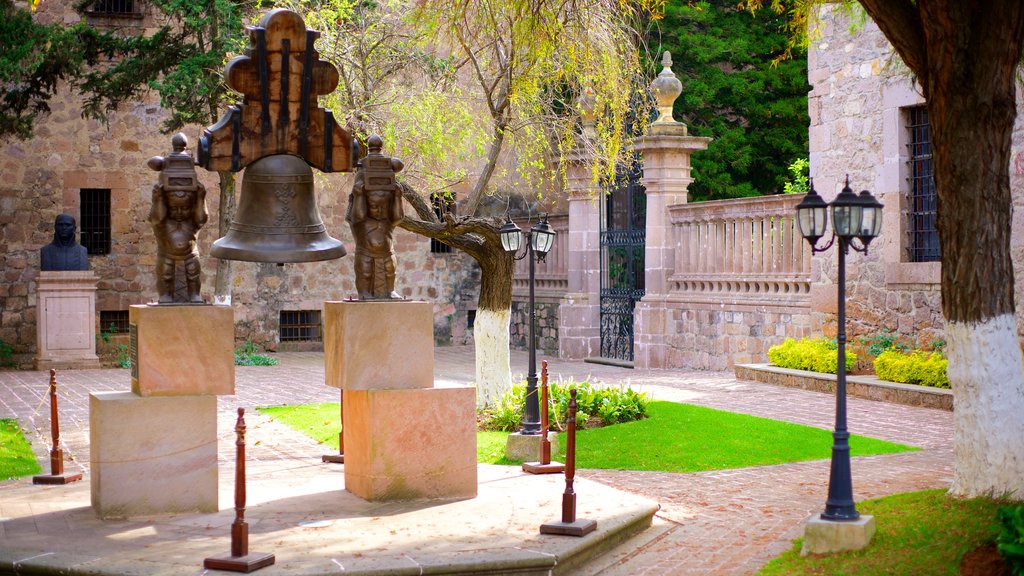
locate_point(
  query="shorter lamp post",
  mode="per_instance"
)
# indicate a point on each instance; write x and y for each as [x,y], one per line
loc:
[853,217]
[539,241]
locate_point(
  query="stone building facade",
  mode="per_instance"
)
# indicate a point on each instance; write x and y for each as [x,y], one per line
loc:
[868,121]
[71,160]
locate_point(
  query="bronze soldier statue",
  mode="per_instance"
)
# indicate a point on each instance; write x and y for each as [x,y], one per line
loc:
[63,253]
[374,208]
[177,214]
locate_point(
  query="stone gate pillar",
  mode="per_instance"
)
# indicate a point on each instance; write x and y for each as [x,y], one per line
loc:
[666,151]
[579,311]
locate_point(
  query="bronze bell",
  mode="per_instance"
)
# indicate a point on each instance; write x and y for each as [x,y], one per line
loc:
[277,219]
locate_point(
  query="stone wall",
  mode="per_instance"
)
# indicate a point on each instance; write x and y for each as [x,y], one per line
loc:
[41,178]
[547,325]
[861,90]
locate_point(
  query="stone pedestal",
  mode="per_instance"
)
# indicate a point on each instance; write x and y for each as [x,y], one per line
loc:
[152,455]
[579,312]
[66,320]
[526,447]
[379,344]
[182,350]
[403,438]
[154,449]
[410,444]
[827,536]
[666,154]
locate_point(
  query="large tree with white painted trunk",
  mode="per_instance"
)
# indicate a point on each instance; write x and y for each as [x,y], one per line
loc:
[965,55]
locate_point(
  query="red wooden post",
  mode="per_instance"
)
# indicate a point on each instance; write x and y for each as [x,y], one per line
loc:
[57,475]
[240,559]
[545,465]
[570,526]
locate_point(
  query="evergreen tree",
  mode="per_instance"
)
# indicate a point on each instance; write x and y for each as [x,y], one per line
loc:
[738,91]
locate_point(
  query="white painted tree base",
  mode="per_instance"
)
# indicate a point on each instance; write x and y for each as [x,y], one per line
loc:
[493,372]
[986,372]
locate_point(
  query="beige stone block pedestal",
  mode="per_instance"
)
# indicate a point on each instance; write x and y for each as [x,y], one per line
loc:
[828,536]
[152,455]
[403,438]
[182,350]
[526,447]
[410,444]
[66,323]
[379,344]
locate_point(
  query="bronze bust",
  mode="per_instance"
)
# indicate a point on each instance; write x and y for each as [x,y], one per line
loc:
[64,253]
[177,214]
[374,208]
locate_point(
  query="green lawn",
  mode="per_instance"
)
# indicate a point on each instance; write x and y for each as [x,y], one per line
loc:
[16,457]
[687,438]
[917,533]
[675,438]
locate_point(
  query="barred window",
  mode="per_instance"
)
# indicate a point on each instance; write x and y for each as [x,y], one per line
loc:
[114,321]
[95,221]
[301,326]
[442,205]
[923,245]
[114,7]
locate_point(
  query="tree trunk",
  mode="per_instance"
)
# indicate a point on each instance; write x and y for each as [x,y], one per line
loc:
[965,56]
[970,89]
[491,327]
[222,286]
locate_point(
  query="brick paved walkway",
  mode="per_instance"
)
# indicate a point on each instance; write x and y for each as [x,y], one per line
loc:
[722,522]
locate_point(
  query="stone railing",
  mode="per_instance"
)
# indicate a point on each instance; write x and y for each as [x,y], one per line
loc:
[742,251]
[551,275]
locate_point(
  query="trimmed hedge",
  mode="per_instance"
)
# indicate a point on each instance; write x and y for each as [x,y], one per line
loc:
[917,367]
[817,355]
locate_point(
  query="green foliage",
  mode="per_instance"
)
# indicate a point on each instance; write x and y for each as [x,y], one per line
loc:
[917,367]
[7,355]
[610,405]
[817,355]
[249,355]
[800,177]
[122,357]
[505,415]
[16,457]
[882,341]
[739,91]
[925,532]
[183,61]
[1011,537]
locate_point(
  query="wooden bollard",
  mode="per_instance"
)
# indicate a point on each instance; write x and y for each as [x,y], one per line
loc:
[57,475]
[544,465]
[570,526]
[339,458]
[240,560]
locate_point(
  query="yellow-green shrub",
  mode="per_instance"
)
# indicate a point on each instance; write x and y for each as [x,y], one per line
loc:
[923,368]
[818,355]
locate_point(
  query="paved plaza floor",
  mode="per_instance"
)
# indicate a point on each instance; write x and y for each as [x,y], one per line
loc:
[720,522]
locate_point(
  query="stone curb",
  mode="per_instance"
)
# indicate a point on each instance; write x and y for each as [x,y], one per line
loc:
[867,387]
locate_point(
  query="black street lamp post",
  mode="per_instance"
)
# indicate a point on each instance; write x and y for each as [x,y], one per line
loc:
[539,241]
[853,217]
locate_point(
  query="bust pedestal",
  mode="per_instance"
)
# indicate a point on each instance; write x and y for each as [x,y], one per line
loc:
[66,320]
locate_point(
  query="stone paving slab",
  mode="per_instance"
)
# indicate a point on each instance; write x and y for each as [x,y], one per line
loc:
[303,515]
[722,522]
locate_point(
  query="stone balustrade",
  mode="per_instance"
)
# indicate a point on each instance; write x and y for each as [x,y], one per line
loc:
[745,250]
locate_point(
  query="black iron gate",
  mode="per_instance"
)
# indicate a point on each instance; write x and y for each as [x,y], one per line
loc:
[623,232]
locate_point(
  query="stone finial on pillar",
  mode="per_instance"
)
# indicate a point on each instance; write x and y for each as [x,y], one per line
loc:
[666,88]
[587,104]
